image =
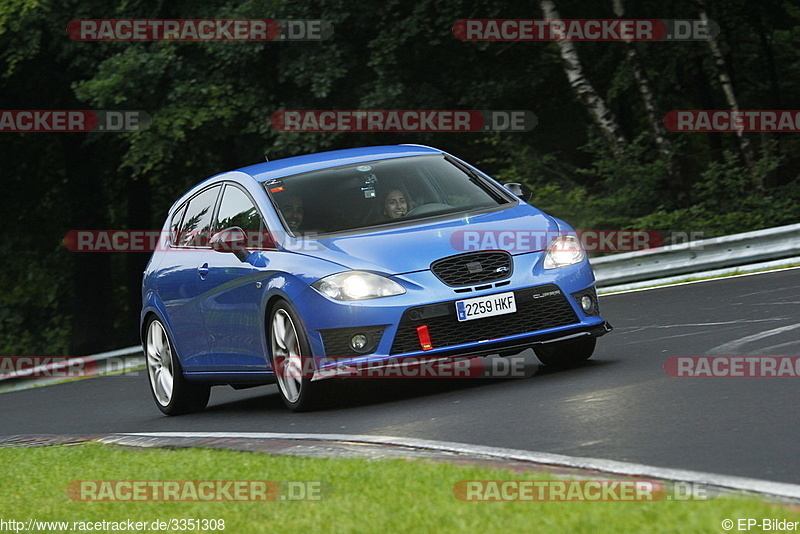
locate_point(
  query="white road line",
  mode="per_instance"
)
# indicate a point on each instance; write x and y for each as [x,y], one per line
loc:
[779,489]
[666,282]
[732,346]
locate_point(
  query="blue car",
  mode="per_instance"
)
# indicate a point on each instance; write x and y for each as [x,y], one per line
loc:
[311,267]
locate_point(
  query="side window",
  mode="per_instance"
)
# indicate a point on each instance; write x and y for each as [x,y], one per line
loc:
[175,224]
[236,209]
[196,228]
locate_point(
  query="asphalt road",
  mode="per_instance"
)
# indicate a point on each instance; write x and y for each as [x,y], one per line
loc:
[621,405]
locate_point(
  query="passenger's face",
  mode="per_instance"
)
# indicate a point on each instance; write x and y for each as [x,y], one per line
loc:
[292,209]
[396,205]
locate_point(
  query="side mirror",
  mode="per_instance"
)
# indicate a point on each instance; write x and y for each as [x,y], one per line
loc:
[519,190]
[232,239]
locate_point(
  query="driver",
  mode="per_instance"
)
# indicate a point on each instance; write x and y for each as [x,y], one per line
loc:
[395,204]
[292,209]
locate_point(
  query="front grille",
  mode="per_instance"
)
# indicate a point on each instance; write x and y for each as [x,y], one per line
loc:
[337,341]
[473,268]
[532,314]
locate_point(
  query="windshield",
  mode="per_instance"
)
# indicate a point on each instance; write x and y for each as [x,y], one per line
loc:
[379,193]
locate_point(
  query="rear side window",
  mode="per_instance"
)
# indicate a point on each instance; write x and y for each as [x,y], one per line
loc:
[175,225]
[195,231]
[237,209]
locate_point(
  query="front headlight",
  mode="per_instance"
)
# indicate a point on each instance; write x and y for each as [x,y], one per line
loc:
[357,285]
[562,251]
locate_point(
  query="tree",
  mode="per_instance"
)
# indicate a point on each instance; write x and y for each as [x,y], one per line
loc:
[730,94]
[652,109]
[601,115]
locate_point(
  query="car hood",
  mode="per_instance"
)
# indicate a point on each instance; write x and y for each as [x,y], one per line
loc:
[519,230]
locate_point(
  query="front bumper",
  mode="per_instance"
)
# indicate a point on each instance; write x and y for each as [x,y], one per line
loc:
[347,368]
[545,314]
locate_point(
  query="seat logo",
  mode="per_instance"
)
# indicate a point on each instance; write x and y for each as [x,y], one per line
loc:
[475,267]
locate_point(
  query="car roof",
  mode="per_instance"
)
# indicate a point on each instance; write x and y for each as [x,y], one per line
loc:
[322,160]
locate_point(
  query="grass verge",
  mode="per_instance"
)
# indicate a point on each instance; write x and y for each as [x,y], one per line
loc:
[362,495]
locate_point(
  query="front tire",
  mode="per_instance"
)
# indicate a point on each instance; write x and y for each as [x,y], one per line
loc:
[566,353]
[172,393]
[291,359]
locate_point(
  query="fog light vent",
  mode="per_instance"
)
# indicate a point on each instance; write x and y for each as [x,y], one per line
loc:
[587,301]
[359,342]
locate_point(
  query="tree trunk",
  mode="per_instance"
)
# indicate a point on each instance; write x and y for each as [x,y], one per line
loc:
[767,139]
[602,116]
[654,115]
[705,94]
[730,94]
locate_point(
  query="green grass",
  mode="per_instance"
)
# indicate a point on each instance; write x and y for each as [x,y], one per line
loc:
[364,495]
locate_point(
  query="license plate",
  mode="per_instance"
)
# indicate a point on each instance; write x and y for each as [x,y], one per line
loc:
[488,306]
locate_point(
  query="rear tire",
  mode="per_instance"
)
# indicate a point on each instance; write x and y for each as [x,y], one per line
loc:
[566,353]
[291,359]
[172,393]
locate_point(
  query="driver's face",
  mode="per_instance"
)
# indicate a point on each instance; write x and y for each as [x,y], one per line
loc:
[292,209]
[396,205]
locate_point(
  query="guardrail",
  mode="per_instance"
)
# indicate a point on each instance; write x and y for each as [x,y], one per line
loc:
[59,369]
[698,256]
